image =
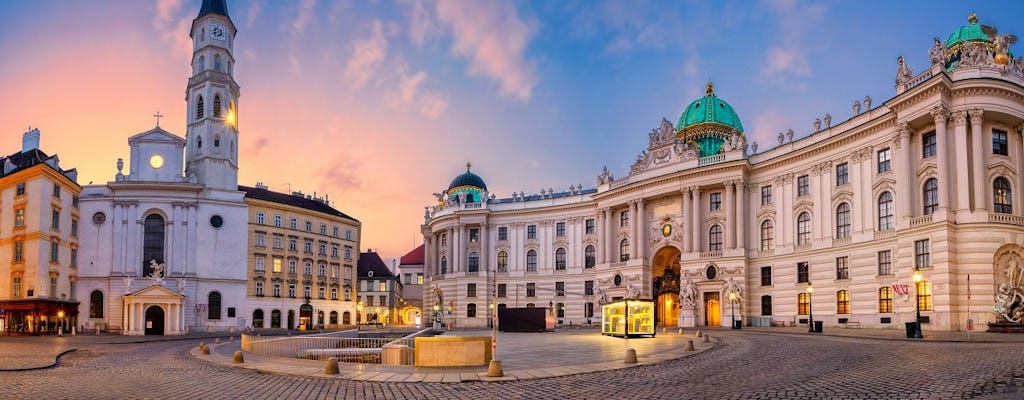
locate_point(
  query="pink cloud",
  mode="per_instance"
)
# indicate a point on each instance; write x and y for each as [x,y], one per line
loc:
[367,54]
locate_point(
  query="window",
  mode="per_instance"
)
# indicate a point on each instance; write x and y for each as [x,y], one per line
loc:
[999,142]
[277,290]
[842,174]
[335,233]
[766,276]
[55,218]
[293,265]
[560,229]
[561,309]
[502,233]
[200,111]
[19,251]
[323,229]
[16,286]
[470,290]
[20,189]
[885,212]
[348,295]
[56,188]
[471,310]
[715,201]
[931,196]
[258,262]
[261,239]
[474,235]
[803,228]
[715,238]
[624,218]
[560,258]
[588,288]
[53,287]
[885,262]
[307,245]
[531,260]
[321,270]
[348,252]
[54,252]
[884,160]
[74,227]
[589,256]
[322,249]
[320,294]
[307,291]
[503,261]
[531,290]
[560,289]
[259,288]
[842,268]
[922,256]
[843,302]
[74,201]
[588,310]
[803,185]
[767,235]
[766,195]
[293,223]
[531,231]
[260,218]
[293,244]
[419,279]
[502,290]
[843,221]
[348,235]
[95,304]
[624,250]
[766,305]
[213,305]
[19,217]
[74,258]
[309,226]
[308,268]
[588,226]
[152,243]
[334,251]
[928,145]
[924,295]
[1001,193]
[444,265]
[803,272]
[216,97]
[278,240]
[803,303]
[277,221]
[474,262]
[276,264]
[885,300]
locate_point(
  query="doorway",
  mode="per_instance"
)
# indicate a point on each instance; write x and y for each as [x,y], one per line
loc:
[291,319]
[665,274]
[712,309]
[305,316]
[154,320]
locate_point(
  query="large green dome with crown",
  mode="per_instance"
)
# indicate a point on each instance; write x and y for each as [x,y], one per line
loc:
[708,123]
[968,33]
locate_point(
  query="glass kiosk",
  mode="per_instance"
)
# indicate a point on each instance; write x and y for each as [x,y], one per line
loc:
[626,318]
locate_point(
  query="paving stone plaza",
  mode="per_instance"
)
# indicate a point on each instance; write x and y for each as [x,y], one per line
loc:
[775,363]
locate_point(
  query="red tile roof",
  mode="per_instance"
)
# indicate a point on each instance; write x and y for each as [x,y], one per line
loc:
[414,257]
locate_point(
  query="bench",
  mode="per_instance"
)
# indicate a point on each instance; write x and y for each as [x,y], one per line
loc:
[852,324]
[778,323]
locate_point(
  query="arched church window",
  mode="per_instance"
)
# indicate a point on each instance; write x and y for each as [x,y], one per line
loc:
[199,142]
[213,305]
[96,304]
[200,107]
[216,140]
[216,105]
[202,35]
[202,64]
[152,243]
[216,62]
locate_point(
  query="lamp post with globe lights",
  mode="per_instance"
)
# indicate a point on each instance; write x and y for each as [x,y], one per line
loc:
[810,309]
[732,308]
[917,295]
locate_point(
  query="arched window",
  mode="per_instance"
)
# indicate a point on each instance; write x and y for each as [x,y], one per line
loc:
[200,107]
[471,310]
[715,238]
[931,196]
[589,256]
[843,221]
[199,143]
[152,243]
[201,65]
[216,105]
[766,305]
[334,318]
[531,260]
[1001,194]
[624,250]
[96,304]
[346,318]
[216,140]
[803,303]
[213,305]
[885,220]
[257,318]
[202,35]
[444,265]
[843,302]
[767,235]
[560,258]
[216,62]
[803,228]
[885,300]
[474,262]
[275,319]
[503,261]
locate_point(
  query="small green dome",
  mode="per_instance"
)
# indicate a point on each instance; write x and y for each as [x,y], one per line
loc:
[709,109]
[968,33]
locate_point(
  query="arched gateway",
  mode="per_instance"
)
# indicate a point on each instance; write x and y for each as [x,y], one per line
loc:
[665,278]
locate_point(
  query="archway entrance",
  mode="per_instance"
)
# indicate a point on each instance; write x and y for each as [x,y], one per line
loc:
[305,316]
[665,274]
[712,309]
[291,319]
[154,320]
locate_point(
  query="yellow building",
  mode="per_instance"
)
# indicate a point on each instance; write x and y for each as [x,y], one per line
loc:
[302,260]
[38,241]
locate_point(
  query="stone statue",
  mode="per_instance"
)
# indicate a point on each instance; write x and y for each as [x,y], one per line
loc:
[688,293]
[157,270]
[781,138]
[856,107]
[789,135]
[938,53]
[181,286]
[732,286]
[753,148]
[817,124]
[867,103]
[602,296]
[828,121]
[120,165]
[1001,42]
[903,72]
[632,291]
[1010,297]
[128,281]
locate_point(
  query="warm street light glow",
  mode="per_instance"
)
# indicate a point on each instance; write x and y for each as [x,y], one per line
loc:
[917,276]
[809,288]
[732,296]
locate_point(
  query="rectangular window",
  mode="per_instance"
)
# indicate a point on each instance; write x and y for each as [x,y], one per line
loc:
[74,258]
[322,249]
[766,195]
[885,262]
[559,289]
[309,226]
[53,282]
[588,311]
[369,300]
[278,242]
[885,300]
[19,250]
[348,294]
[277,290]
[766,306]
[277,264]
[383,299]
[293,223]
[924,295]
[928,145]
[54,252]
[261,239]
[307,246]
[323,229]
[531,232]
[474,235]
[20,189]
[470,290]
[531,289]
[999,145]
[624,218]
[560,229]
[383,286]
[842,268]
[766,276]
[334,251]
[335,234]
[259,263]
[293,265]
[334,293]
[348,252]
[74,201]
[803,185]
[407,278]
[588,288]
[842,174]
[293,244]
[502,233]
[843,302]
[348,234]
[55,218]
[56,191]
[884,160]
[277,221]
[561,310]
[74,227]
[419,279]
[502,290]
[19,217]
[259,289]
[715,200]
[471,310]
[803,303]
[291,290]
[922,256]
[588,226]
[260,218]
[320,293]
[321,270]
[16,287]
[803,272]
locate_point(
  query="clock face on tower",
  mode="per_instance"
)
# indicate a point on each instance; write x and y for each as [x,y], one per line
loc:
[156,161]
[217,32]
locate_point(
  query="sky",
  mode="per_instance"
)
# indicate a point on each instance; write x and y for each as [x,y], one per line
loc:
[379,104]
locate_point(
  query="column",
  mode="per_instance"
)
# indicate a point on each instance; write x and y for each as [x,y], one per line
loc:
[698,223]
[485,254]
[903,168]
[741,214]
[978,181]
[451,250]
[193,228]
[609,239]
[857,179]
[171,256]
[126,324]
[688,220]
[866,202]
[1018,154]
[963,193]
[641,228]
[730,215]
[117,258]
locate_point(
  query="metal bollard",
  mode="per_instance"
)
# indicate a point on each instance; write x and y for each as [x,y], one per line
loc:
[699,334]
[630,356]
[689,346]
[238,359]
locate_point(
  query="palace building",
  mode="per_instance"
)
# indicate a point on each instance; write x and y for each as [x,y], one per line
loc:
[912,203]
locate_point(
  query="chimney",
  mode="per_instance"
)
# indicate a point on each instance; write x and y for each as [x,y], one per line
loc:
[30,140]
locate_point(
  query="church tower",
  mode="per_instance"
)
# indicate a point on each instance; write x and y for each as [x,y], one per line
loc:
[211,155]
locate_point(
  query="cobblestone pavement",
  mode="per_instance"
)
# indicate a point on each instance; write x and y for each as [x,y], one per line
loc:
[746,365]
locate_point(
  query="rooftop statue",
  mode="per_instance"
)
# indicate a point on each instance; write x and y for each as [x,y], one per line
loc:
[903,72]
[938,53]
[1001,42]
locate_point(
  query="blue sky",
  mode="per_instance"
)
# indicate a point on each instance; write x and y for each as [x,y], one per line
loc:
[381,103]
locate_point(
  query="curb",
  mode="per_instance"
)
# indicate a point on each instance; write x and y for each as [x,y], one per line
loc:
[893,339]
[56,362]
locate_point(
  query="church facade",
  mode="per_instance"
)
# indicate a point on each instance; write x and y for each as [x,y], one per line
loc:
[912,204]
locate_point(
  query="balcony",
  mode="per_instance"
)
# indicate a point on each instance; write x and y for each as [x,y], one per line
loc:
[1000,218]
[922,220]
[841,241]
[710,254]
[888,233]
[715,159]
[802,247]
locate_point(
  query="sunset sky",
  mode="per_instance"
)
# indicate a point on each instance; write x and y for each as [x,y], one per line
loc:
[378,104]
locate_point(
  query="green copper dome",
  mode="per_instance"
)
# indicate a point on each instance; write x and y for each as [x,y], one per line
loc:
[968,33]
[709,109]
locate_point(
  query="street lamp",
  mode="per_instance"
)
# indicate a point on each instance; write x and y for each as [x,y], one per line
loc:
[60,322]
[917,295]
[810,311]
[732,308]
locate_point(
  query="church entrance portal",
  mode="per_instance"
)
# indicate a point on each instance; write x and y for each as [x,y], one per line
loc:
[712,309]
[154,320]
[665,274]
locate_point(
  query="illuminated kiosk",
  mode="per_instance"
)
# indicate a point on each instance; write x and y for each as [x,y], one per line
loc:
[628,318]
